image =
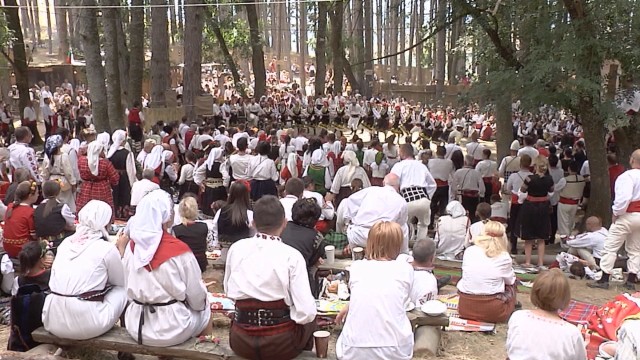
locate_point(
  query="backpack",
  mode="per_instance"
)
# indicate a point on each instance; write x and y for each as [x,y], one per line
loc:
[26,316]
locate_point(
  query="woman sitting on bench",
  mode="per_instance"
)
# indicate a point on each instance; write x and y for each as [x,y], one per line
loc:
[168,298]
[87,280]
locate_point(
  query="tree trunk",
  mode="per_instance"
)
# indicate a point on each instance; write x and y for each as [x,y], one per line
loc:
[49,30]
[277,32]
[420,48]
[358,37]
[19,61]
[180,11]
[123,58]
[413,15]
[441,48]
[452,58]
[257,54]
[112,66]
[136,51]
[368,48]
[88,31]
[380,32]
[349,74]
[504,126]
[337,48]
[227,57]
[286,38]
[392,44]
[35,14]
[72,17]
[303,46]
[403,34]
[24,19]
[160,72]
[194,26]
[321,47]
[62,29]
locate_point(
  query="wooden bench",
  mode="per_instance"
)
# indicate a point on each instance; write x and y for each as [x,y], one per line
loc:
[118,339]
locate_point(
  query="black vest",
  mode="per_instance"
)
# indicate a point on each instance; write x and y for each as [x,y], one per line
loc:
[194,235]
[53,224]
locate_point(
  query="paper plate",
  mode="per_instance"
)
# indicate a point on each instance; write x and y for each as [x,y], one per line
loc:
[434,308]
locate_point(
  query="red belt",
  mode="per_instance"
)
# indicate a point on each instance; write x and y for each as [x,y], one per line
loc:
[441,183]
[633,206]
[568,201]
[537,199]
[499,219]
[470,193]
[514,199]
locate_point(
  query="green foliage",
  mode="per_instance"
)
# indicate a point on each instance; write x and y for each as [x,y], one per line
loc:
[236,35]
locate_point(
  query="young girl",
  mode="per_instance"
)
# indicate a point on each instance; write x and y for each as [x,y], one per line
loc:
[53,220]
[19,227]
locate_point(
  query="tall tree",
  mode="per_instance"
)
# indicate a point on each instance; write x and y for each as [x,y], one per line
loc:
[368,47]
[123,52]
[172,23]
[136,51]
[441,47]
[180,4]
[35,14]
[24,19]
[49,30]
[337,47]
[62,28]
[112,65]
[358,37]
[19,59]
[194,26]
[160,72]
[88,31]
[392,44]
[420,48]
[302,29]
[257,53]
[321,47]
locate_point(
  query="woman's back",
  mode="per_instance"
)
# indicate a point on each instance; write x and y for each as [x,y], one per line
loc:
[483,275]
[227,230]
[195,235]
[539,186]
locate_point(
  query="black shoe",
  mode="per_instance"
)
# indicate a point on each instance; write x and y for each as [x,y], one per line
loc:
[598,285]
[630,286]
[443,281]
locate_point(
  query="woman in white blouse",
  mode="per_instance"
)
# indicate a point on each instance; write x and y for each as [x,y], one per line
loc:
[487,291]
[262,172]
[375,322]
[341,185]
[541,333]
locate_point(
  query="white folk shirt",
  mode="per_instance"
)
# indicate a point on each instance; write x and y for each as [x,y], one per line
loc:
[509,164]
[328,212]
[487,168]
[414,173]
[240,166]
[627,190]
[482,275]
[261,168]
[515,181]
[528,150]
[378,309]
[178,278]
[334,147]
[269,270]
[287,203]
[451,235]
[500,209]
[342,178]
[424,288]
[450,149]
[237,136]
[469,179]
[475,149]
[23,156]
[593,241]
[441,169]
[299,142]
[140,189]
[368,206]
[29,114]
[95,264]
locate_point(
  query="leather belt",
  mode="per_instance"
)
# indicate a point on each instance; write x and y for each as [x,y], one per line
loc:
[95,295]
[262,317]
[152,309]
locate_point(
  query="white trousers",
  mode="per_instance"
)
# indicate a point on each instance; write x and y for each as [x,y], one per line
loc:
[625,231]
[353,122]
[566,218]
[421,210]
[584,254]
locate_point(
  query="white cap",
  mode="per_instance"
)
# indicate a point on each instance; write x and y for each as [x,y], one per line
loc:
[515,145]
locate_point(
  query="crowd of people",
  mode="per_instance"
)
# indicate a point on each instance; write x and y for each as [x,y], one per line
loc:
[274,181]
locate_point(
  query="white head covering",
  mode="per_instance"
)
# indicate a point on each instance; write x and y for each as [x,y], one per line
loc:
[154,159]
[515,145]
[292,164]
[118,138]
[318,158]
[455,209]
[75,144]
[214,155]
[167,155]
[104,139]
[94,150]
[350,159]
[92,220]
[146,226]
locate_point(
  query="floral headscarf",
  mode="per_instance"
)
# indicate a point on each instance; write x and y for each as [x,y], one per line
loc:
[53,143]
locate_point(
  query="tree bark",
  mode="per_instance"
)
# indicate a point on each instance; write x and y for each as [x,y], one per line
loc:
[72,16]
[441,48]
[136,51]
[88,31]
[123,58]
[172,23]
[321,47]
[194,26]
[180,16]
[403,34]
[392,44]
[49,30]
[160,72]
[380,32]
[413,15]
[420,48]
[337,48]
[19,61]
[62,29]
[303,46]
[24,19]
[35,14]
[368,48]
[504,126]
[257,53]
[358,37]
[112,65]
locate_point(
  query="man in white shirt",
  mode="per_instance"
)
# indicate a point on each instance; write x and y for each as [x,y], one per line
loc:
[44,94]
[299,142]
[417,187]
[21,155]
[488,169]
[355,112]
[239,161]
[474,148]
[451,147]
[425,284]
[570,189]
[267,279]
[368,206]
[514,183]
[469,186]
[528,148]
[328,212]
[510,163]
[442,171]
[589,246]
[294,188]
[143,187]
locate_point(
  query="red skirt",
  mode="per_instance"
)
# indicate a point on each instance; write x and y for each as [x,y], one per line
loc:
[94,190]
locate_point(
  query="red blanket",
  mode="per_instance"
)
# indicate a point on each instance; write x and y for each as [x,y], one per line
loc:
[607,319]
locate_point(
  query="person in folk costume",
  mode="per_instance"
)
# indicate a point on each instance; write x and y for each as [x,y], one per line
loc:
[262,172]
[122,160]
[135,122]
[318,169]
[70,147]
[56,166]
[155,161]
[341,186]
[186,184]
[98,176]
[21,155]
[370,117]
[292,168]
[324,115]
[212,178]
[168,300]
[149,144]
[390,150]
[50,118]
[170,174]
[383,120]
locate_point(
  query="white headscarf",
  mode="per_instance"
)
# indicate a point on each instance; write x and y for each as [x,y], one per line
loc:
[350,159]
[92,220]
[292,164]
[455,209]
[319,158]
[75,144]
[104,139]
[118,138]
[214,155]
[167,155]
[94,150]
[146,226]
[154,159]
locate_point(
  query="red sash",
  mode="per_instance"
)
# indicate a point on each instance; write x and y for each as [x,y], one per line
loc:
[169,247]
[567,201]
[634,206]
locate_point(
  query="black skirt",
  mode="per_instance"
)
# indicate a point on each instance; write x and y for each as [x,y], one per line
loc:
[122,191]
[135,132]
[210,196]
[533,221]
[188,187]
[260,188]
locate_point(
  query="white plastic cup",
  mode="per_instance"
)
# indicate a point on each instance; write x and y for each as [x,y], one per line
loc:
[330,253]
